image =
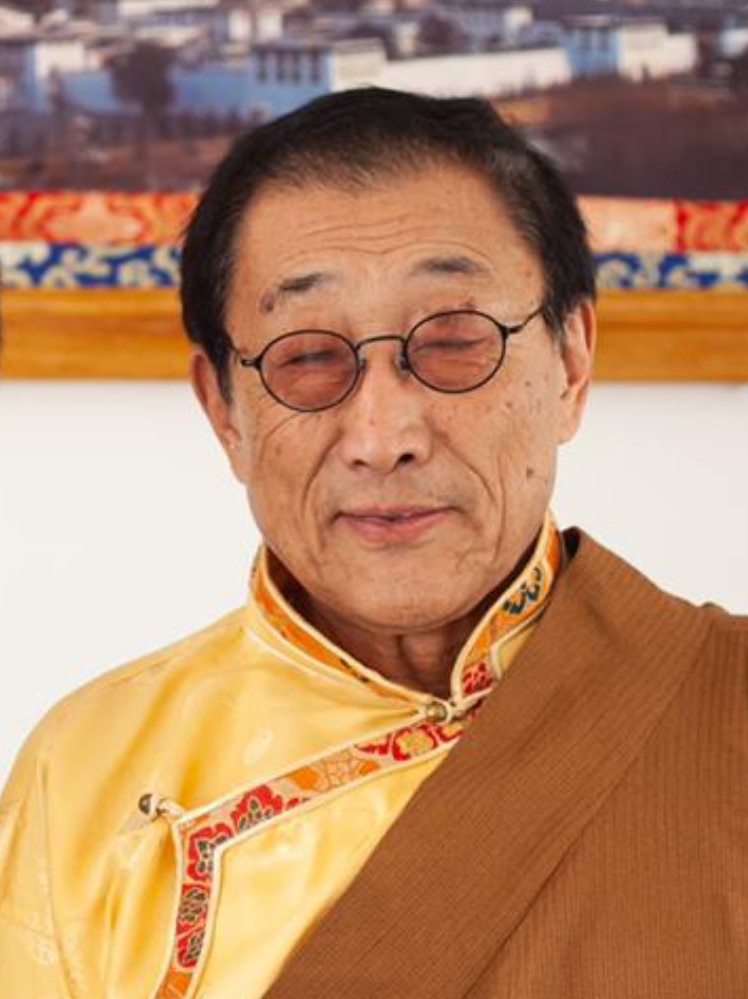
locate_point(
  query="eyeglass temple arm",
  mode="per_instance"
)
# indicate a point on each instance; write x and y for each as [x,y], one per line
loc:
[508,331]
[244,361]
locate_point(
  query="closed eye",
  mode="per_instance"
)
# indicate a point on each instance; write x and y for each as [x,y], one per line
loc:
[316,358]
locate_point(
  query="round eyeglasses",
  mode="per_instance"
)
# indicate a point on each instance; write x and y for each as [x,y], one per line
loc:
[453,352]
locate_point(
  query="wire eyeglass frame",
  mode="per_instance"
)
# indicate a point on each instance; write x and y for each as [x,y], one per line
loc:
[404,362]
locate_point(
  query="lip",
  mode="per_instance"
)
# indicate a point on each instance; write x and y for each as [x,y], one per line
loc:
[393,524]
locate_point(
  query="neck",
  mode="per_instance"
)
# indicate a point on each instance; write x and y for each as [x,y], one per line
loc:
[421,660]
[424,659]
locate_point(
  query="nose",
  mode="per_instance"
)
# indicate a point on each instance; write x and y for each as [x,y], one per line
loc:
[384,421]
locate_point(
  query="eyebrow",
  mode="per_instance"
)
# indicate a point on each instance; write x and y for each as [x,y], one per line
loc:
[296,285]
[299,284]
[449,265]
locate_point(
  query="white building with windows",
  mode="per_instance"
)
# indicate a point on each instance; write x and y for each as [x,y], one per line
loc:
[32,66]
[279,76]
[483,74]
[636,49]
[485,23]
[283,76]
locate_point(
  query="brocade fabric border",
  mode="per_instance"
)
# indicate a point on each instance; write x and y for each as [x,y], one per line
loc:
[69,265]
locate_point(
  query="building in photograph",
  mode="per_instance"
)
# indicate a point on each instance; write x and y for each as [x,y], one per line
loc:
[34,65]
[631,48]
[231,62]
[487,25]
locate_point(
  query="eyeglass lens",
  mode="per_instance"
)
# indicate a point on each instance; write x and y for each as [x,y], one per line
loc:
[453,352]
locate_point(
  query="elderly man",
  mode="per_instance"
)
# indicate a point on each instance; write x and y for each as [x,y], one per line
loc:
[443,751]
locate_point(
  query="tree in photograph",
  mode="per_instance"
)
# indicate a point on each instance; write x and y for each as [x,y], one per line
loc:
[440,34]
[368,29]
[40,8]
[141,76]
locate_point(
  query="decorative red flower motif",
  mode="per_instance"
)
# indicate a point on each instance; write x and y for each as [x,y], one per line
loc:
[202,846]
[193,907]
[380,747]
[255,807]
[477,677]
[414,741]
[190,947]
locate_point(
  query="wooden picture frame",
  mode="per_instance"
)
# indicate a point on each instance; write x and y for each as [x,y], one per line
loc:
[666,336]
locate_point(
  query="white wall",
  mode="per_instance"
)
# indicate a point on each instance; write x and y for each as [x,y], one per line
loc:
[121,529]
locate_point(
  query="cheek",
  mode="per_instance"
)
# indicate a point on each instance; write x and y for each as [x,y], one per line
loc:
[524,439]
[282,458]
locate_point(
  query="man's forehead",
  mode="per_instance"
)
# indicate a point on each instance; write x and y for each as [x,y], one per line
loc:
[311,207]
[299,242]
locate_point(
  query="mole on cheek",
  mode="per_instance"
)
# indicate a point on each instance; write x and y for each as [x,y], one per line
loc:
[529,473]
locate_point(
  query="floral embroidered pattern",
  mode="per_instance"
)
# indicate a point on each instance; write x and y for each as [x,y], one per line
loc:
[202,848]
[204,835]
[472,675]
[90,265]
[528,592]
[672,270]
[712,226]
[99,239]
[76,265]
[109,217]
[255,807]
[477,677]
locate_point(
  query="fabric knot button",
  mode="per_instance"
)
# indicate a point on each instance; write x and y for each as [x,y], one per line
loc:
[437,711]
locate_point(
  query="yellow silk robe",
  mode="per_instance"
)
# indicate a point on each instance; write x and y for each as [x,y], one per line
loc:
[174,828]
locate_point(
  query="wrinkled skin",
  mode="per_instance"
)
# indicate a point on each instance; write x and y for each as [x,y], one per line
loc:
[401,510]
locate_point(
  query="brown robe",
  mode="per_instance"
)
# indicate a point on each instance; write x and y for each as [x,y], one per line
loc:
[587,839]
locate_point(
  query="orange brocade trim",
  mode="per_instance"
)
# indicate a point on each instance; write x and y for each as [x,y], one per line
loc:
[202,838]
[477,666]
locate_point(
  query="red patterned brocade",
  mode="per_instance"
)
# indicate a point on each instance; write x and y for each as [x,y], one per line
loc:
[95,217]
[202,837]
[712,226]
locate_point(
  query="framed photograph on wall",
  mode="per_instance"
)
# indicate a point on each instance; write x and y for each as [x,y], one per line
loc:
[113,113]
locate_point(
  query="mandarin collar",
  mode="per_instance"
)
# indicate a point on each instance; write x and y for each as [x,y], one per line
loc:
[479,664]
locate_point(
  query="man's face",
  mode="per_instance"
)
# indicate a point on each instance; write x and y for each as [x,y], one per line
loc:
[402,507]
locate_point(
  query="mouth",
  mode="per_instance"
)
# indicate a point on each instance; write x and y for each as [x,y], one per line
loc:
[393,524]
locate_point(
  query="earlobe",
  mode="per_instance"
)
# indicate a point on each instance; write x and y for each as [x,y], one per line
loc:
[577,354]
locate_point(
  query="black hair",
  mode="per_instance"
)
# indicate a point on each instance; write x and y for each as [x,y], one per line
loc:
[353,138]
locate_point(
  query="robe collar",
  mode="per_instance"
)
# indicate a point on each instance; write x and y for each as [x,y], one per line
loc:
[481,661]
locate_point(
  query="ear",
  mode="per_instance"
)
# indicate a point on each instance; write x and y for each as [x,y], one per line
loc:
[577,351]
[218,409]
